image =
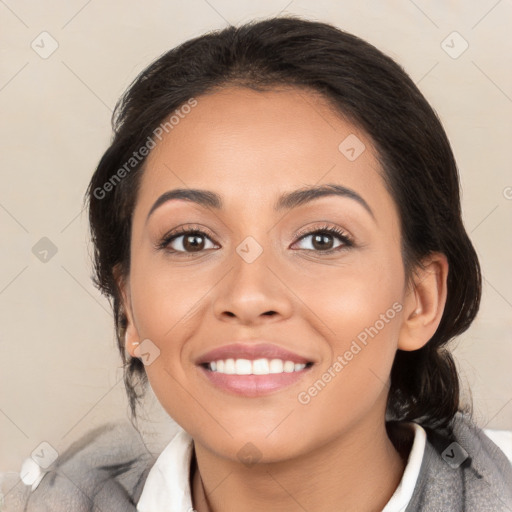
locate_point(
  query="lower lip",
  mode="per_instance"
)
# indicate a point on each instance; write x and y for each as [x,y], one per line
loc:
[253,385]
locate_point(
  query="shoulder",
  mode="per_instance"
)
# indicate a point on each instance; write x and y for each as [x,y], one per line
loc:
[463,467]
[106,467]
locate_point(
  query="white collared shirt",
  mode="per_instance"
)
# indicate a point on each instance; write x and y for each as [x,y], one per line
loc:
[167,486]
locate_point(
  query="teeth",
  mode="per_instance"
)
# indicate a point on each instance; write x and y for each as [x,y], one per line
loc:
[229,366]
[289,366]
[256,367]
[260,367]
[276,366]
[243,367]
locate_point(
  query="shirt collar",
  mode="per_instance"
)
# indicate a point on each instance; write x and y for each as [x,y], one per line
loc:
[167,486]
[403,493]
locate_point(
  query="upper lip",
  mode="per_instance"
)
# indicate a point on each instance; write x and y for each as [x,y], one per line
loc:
[252,351]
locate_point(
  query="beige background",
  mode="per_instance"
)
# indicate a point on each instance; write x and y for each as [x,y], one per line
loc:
[59,368]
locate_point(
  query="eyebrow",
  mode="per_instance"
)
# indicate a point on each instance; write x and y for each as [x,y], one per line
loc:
[286,201]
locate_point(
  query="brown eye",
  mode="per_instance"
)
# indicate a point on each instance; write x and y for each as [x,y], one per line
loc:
[188,239]
[188,242]
[322,240]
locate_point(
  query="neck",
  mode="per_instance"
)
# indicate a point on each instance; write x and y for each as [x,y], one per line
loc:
[359,470]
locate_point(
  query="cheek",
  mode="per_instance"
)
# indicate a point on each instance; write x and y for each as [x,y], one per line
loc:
[354,378]
[358,314]
[353,297]
[361,330]
[165,299]
[169,306]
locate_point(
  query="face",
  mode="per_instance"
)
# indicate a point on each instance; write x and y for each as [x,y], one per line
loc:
[321,278]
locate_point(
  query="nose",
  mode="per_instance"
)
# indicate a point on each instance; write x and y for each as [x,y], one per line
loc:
[252,292]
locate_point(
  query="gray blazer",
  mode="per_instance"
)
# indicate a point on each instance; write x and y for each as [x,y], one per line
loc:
[105,471]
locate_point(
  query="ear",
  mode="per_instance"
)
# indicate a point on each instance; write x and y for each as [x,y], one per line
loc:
[424,302]
[131,337]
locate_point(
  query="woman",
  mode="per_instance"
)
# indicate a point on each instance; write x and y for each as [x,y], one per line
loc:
[277,222]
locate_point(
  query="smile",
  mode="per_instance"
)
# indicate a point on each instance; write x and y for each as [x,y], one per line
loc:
[252,368]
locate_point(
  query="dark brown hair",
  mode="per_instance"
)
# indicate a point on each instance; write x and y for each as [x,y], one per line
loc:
[367,88]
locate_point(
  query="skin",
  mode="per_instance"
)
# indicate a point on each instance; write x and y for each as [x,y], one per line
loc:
[332,453]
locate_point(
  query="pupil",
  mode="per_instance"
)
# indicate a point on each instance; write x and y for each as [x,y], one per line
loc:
[319,238]
[194,245]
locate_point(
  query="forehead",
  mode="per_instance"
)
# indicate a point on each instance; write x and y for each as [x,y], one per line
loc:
[247,144]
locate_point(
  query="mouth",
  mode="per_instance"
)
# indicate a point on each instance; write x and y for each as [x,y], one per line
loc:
[253,370]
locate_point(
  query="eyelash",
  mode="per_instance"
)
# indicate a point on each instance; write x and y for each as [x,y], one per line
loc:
[330,230]
[326,229]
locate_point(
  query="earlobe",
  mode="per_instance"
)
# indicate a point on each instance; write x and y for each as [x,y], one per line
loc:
[131,335]
[424,303]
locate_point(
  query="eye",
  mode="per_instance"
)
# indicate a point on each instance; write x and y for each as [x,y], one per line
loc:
[320,239]
[185,240]
[190,240]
